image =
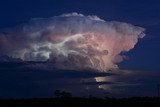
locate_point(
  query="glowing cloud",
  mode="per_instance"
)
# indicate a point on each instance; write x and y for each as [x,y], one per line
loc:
[71,41]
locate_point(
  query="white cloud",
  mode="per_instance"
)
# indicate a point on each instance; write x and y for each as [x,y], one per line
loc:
[71,41]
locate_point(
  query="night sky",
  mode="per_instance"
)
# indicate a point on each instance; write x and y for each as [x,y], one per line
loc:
[136,76]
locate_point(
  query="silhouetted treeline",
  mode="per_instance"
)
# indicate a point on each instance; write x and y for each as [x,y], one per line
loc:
[74,102]
[62,94]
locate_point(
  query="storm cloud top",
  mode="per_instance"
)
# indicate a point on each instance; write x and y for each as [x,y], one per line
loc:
[71,41]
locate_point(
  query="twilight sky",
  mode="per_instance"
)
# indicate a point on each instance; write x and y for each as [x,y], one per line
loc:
[141,65]
[142,13]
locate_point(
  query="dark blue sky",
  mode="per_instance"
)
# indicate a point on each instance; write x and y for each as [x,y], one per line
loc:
[138,12]
[144,57]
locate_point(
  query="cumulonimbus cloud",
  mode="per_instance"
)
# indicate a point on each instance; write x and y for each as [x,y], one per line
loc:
[71,41]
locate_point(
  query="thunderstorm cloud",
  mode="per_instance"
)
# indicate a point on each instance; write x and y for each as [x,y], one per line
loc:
[71,41]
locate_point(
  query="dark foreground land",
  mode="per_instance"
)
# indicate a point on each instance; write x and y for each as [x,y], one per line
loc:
[83,102]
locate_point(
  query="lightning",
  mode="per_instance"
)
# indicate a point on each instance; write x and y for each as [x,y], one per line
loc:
[72,41]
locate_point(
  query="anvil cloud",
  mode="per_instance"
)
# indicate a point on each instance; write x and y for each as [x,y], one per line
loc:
[71,41]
